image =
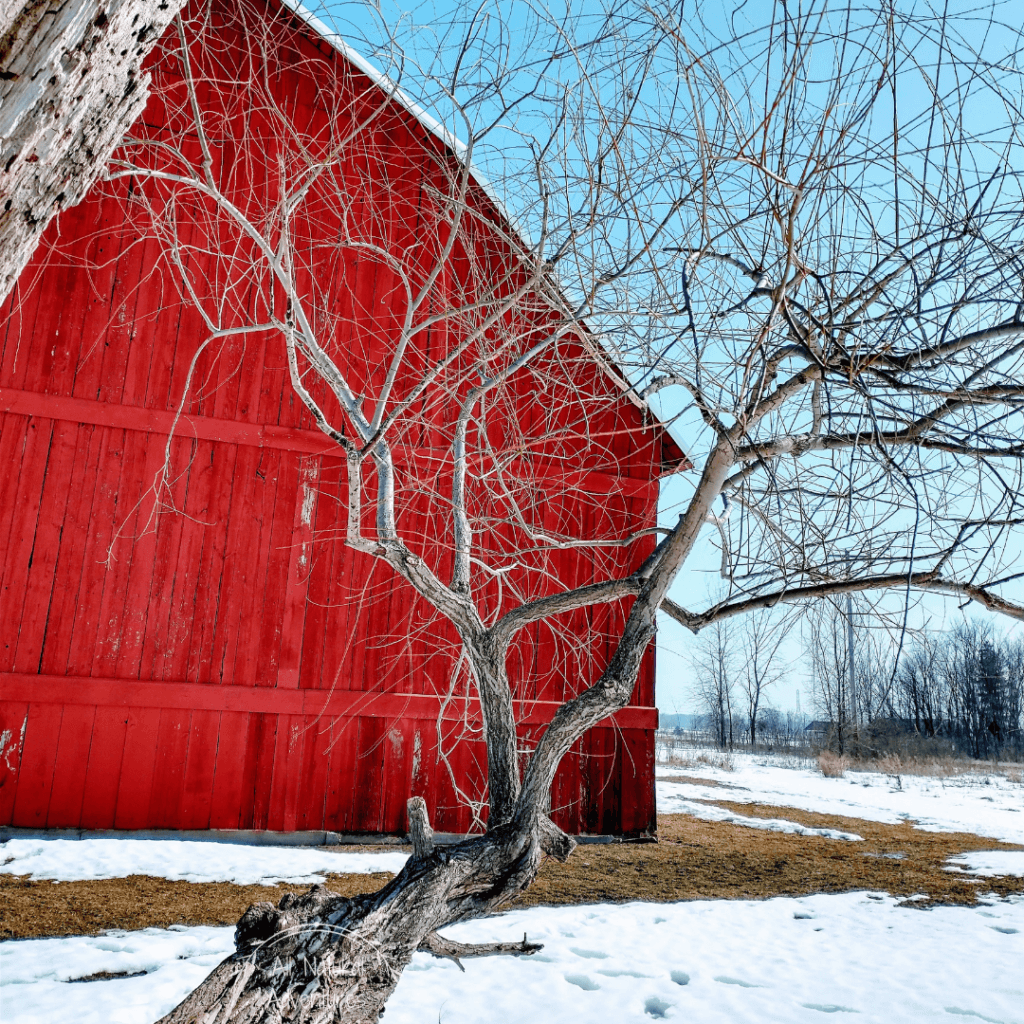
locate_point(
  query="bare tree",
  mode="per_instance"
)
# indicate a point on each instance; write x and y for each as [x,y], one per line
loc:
[71,84]
[761,643]
[802,236]
[714,666]
[831,669]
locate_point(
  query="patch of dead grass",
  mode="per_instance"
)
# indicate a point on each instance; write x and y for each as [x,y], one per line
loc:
[695,780]
[694,859]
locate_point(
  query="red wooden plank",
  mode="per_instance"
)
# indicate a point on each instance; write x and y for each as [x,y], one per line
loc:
[253,742]
[14,437]
[147,293]
[261,537]
[86,629]
[35,780]
[197,796]
[159,650]
[210,579]
[116,617]
[368,776]
[272,610]
[210,697]
[312,774]
[638,804]
[117,338]
[19,314]
[341,757]
[166,793]
[65,809]
[226,803]
[203,428]
[94,301]
[18,556]
[185,593]
[13,726]
[297,582]
[287,784]
[71,563]
[138,763]
[139,548]
[103,774]
[398,762]
[263,772]
[238,575]
[289,439]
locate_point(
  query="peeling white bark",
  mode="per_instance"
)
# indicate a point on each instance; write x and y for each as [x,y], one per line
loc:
[71,85]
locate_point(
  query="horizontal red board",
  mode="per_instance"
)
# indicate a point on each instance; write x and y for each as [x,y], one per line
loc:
[130,693]
[257,435]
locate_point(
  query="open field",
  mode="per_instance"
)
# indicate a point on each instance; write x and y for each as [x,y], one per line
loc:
[693,860]
[773,894]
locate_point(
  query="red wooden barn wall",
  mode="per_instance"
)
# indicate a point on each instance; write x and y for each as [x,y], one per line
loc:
[234,665]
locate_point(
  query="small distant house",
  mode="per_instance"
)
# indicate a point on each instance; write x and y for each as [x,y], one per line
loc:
[819,730]
[221,667]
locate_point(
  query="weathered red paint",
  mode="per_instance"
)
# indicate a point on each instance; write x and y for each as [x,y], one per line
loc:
[222,667]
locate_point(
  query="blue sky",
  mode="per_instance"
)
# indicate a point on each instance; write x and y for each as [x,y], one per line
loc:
[428,27]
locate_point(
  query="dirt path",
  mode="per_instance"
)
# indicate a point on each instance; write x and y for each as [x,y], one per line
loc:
[693,860]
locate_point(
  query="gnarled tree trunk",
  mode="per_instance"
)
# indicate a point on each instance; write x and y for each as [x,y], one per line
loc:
[71,85]
[323,957]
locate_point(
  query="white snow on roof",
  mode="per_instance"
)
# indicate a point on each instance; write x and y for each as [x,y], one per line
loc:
[425,118]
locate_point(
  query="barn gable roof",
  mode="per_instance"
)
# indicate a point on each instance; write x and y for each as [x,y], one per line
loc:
[673,461]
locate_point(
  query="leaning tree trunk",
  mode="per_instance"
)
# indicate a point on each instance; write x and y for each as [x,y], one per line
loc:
[71,85]
[322,957]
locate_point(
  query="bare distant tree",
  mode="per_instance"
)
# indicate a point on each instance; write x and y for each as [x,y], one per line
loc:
[71,84]
[715,663]
[803,235]
[828,652]
[762,636]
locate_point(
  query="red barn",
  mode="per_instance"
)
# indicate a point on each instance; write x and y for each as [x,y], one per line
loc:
[200,649]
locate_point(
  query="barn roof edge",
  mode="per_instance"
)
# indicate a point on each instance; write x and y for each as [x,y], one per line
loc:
[459,148]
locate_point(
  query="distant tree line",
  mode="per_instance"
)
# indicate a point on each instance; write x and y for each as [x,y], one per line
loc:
[956,692]
[960,691]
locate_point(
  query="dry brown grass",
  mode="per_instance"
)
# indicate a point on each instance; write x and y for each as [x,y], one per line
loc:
[943,766]
[832,766]
[693,860]
[708,758]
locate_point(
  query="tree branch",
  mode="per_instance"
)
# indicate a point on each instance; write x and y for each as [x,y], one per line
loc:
[925,581]
[449,949]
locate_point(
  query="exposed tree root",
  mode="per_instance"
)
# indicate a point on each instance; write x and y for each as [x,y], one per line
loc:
[322,957]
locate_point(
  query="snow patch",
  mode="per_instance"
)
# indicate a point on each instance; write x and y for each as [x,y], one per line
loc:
[989,863]
[64,860]
[717,962]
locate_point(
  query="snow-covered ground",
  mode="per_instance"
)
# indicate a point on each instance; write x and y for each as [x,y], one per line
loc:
[186,860]
[987,805]
[782,960]
[779,960]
